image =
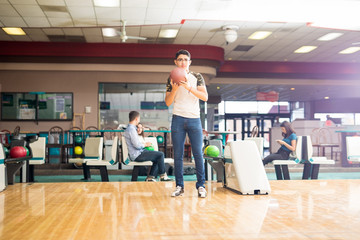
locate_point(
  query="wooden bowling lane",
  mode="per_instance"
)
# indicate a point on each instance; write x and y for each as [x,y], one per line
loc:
[296,209]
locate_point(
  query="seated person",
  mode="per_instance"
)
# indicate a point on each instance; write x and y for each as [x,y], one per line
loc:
[288,144]
[138,153]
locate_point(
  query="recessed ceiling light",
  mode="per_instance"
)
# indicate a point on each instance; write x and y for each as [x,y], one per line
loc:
[305,49]
[330,36]
[326,97]
[260,35]
[14,31]
[109,32]
[106,3]
[350,50]
[168,33]
[292,89]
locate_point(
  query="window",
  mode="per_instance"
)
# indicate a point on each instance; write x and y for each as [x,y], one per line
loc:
[36,106]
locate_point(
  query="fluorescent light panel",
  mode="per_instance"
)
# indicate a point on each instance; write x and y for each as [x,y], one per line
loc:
[260,35]
[106,3]
[350,50]
[330,36]
[14,31]
[305,49]
[168,33]
[109,32]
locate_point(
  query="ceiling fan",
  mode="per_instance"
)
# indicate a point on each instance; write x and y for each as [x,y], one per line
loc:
[123,35]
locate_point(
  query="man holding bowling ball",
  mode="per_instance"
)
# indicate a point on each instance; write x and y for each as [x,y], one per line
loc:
[184,92]
[138,153]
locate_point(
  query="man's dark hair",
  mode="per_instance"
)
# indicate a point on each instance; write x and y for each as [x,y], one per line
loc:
[183,52]
[133,115]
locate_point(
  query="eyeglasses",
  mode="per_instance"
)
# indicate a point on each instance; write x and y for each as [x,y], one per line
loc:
[183,60]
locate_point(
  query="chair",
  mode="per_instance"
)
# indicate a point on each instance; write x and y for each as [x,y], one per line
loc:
[38,149]
[55,140]
[126,160]
[102,164]
[93,150]
[353,149]
[304,155]
[109,135]
[92,134]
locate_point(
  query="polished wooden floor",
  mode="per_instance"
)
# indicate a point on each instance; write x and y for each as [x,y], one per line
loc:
[296,209]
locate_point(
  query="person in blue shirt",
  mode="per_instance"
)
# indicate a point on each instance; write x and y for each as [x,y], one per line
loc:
[138,153]
[288,144]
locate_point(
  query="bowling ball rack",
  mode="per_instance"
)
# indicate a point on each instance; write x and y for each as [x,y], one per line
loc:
[13,165]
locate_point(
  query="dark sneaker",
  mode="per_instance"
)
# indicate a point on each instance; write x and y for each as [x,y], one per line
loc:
[179,191]
[202,192]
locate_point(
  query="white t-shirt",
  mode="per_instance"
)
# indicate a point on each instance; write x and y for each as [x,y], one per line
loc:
[186,104]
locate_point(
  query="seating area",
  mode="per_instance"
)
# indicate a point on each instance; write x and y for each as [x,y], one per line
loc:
[304,155]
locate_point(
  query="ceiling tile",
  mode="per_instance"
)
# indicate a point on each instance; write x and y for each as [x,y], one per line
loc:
[13,22]
[51,14]
[84,22]
[108,22]
[84,3]
[93,39]
[29,10]
[5,37]
[39,38]
[28,2]
[53,31]
[107,13]
[161,4]
[21,38]
[92,31]
[82,12]
[8,11]
[158,15]
[51,2]
[37,21]
[73,31]
[132,3]
[61,22]
[131,14]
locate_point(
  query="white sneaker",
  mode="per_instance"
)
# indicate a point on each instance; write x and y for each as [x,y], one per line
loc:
[179,191]
[166,179]
[150,180]
[202,192]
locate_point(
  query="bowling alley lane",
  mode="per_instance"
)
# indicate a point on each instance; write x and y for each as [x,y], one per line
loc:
[296,209]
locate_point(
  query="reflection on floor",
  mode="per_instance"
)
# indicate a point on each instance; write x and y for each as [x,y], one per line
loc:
[295,209]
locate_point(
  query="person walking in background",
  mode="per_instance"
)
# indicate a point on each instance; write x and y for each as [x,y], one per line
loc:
[288,144]
[186,120]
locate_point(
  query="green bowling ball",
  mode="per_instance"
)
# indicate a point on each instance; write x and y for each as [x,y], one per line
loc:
[160,139]
[150,148]
[78,139]
[212,151]
[27,151]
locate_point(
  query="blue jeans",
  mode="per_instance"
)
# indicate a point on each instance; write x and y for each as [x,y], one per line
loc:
[156,157]
[181,126]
